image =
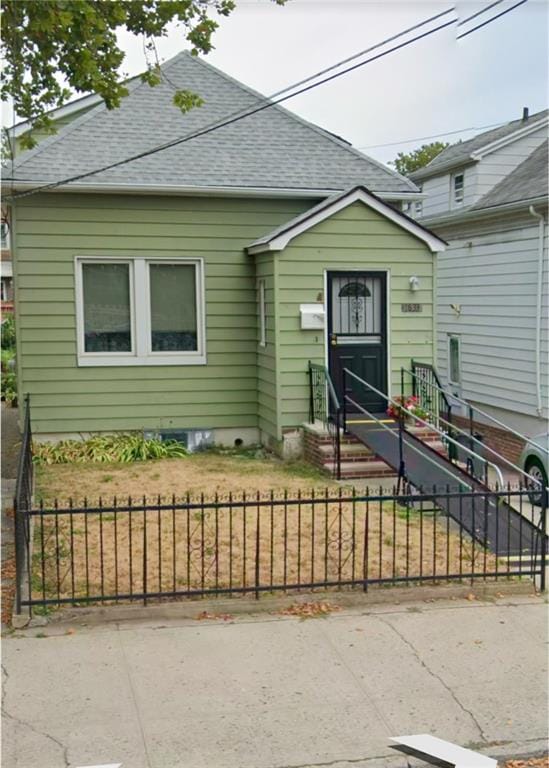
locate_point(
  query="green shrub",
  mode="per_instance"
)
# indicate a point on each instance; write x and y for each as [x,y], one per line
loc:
[107,448]
[8,332]
[9,386]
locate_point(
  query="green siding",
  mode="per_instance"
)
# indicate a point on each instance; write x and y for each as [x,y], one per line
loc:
[355,238]
[236,388]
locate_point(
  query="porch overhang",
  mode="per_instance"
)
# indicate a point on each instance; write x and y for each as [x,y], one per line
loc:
[279,238]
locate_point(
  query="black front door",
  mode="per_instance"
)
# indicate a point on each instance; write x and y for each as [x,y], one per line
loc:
[357,335]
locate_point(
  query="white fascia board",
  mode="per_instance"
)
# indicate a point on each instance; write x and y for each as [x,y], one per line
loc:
[68,109]
[503,142]
[279,242]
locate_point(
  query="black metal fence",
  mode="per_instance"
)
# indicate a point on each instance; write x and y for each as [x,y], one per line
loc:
[228,545]
[22,506]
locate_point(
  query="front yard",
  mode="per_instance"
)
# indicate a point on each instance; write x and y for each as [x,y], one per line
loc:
[228,521]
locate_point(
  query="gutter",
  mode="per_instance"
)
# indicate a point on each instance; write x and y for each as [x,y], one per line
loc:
[481,213]
[176,189]
[541,234]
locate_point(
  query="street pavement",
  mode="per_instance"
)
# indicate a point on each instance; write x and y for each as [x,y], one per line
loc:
[274,691]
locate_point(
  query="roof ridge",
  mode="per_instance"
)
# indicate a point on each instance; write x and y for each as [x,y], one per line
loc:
[317,128]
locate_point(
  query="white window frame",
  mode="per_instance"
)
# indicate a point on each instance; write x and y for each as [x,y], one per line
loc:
[262,313]
[455,200]
[140,321]
[451,337]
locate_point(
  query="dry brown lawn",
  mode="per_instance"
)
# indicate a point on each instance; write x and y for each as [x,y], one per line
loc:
[206,473]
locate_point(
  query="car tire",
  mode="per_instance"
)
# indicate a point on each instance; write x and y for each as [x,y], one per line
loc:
[535,470]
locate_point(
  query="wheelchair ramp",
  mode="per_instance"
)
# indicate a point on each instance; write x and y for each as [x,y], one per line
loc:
[495,524]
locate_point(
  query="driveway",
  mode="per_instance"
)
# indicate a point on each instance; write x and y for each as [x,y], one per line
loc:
[276,691]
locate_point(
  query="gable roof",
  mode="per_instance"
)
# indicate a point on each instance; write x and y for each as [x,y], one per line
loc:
[464,152]
[527,182]
[272,149]
[278,238]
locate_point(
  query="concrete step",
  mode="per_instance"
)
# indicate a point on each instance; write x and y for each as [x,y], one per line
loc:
[362,469]
[352,452]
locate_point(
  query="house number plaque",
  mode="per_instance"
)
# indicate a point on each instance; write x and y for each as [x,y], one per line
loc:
[411,307]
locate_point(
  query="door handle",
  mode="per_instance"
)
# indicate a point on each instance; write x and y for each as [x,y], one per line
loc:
[333,340]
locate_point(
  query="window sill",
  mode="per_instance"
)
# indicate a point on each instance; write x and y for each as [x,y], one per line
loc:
[112,360]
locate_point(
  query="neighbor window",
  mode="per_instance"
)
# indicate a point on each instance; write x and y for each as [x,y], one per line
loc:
[454,362]
[262,314]
[140,311]
[4,234]
[458,186]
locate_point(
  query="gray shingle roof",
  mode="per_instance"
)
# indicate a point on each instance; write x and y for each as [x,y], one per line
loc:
[528,181]
[271,149]
[460,153]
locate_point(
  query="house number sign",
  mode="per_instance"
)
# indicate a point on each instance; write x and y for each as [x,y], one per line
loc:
[411,307]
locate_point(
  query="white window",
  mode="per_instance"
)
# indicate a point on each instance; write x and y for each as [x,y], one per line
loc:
[140,311]
[419,207]
[458,182]
[454,360]
[407,207]
[262,314]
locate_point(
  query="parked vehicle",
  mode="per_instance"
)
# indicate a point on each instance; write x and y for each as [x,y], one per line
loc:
[534,459]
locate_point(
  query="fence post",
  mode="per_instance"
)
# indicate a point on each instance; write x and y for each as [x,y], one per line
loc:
[257,546]
[543,521]
[344,395]
[311,398]
[338,443]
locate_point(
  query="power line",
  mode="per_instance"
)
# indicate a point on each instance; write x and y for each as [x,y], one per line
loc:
[268,103]
[479,13]
[493,18]
[434,136]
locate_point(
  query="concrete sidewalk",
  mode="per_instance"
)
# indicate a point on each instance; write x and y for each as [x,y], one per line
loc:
[276,692]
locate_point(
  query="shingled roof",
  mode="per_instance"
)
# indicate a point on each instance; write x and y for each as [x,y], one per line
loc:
[527,182]
[272,149]
[462,152]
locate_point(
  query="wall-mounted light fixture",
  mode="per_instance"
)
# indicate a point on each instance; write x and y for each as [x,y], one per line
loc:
[456,308]
[414,283]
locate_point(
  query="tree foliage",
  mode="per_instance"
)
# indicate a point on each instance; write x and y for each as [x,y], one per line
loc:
[406,162]
[53,48]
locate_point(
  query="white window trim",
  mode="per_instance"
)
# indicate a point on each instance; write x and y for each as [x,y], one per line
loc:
[140,322]
[458,338]
[262,314]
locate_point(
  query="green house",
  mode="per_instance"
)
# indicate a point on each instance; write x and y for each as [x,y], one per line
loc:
[178,272]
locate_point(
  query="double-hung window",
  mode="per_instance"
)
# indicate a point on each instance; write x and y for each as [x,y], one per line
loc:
[140,311]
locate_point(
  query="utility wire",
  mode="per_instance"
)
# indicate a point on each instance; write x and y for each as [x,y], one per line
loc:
[479,13]
[434,136]
[268,103]
[493,18]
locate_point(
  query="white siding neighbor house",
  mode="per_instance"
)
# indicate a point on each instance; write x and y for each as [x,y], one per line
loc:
[488,198]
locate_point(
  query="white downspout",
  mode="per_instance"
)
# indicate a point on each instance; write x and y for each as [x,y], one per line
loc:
[541,234]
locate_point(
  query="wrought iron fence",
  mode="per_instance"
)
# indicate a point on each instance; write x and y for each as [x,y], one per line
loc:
[324,406]
[22,506]
[226,545]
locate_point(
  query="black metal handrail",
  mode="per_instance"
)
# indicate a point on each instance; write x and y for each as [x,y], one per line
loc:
[427,387]
[22,505]
[322,395]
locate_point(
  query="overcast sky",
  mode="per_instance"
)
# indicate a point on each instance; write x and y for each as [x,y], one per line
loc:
[434,86]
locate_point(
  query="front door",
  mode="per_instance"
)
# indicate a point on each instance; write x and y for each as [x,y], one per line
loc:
[357,335]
